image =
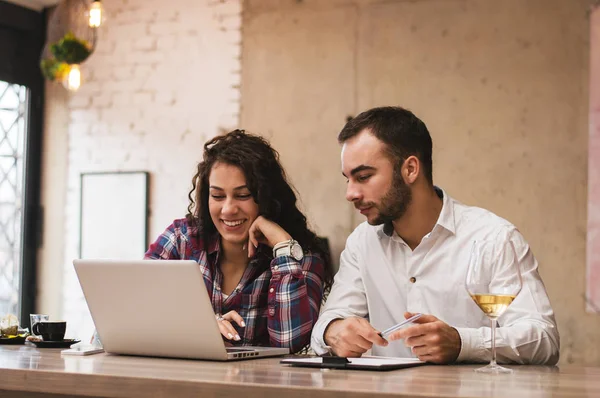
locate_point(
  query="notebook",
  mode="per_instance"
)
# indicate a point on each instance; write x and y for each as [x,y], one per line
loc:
[363,363]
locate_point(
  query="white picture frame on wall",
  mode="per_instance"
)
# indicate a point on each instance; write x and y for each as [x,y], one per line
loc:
[114,215]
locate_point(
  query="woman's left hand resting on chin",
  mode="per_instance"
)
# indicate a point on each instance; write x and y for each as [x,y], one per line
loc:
[266,232]
[225,326]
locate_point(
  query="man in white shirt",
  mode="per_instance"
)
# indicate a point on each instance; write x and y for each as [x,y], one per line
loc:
[411,256]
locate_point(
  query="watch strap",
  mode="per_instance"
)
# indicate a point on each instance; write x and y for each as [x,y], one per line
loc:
[283,248]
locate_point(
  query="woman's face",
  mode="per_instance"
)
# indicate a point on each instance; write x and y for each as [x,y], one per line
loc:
[232,208]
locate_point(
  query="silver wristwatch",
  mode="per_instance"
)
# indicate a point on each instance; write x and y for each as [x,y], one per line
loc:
[288,248]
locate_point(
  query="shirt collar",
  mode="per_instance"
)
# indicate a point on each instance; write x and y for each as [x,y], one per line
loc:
[445,219]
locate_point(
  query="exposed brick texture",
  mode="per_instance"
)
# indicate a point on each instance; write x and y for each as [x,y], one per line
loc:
[164,78]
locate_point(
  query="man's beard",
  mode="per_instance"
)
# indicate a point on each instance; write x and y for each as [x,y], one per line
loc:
[395,201]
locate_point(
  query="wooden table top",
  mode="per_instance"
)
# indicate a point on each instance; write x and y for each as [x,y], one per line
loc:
[29,369]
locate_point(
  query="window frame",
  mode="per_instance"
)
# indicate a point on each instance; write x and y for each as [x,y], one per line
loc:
[22,37]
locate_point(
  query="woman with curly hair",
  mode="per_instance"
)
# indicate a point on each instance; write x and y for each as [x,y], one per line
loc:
[264,270]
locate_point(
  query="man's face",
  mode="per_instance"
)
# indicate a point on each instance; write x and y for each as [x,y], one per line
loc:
[375,183]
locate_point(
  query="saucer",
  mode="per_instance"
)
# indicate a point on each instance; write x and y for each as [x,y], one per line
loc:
[66,343]
[13,340]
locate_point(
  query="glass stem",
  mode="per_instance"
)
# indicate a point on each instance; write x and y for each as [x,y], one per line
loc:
[493,362]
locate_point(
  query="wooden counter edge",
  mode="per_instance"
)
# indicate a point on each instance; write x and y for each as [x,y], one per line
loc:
[97,385]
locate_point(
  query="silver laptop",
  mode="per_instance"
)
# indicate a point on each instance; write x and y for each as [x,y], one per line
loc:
[156,308]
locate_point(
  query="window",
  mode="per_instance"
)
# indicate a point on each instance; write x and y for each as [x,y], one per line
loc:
[21,99]
[13,103]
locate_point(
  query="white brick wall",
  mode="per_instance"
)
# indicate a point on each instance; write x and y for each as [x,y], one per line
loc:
[164,78]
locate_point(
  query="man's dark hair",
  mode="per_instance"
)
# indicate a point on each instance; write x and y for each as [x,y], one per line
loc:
[403,133]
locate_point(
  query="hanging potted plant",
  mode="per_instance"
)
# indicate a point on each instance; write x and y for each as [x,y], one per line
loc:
[71,40]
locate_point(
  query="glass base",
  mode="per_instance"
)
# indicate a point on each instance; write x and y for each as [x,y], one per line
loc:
[493,369]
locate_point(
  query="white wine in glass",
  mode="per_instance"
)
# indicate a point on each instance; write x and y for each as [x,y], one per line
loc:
[493,305]
[493,281]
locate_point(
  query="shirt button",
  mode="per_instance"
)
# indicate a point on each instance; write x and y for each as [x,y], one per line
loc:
[271,290]
[413,279]
[271,311]
[275,267]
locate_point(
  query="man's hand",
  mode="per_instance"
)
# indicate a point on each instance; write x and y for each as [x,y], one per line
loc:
[430,340]
[352,337]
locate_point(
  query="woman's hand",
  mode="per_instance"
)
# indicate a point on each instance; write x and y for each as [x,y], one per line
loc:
[225,326]
[266,232]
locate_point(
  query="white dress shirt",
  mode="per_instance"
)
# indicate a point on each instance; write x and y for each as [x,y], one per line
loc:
[380,278]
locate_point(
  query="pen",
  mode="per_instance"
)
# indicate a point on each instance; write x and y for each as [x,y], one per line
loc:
[385,334]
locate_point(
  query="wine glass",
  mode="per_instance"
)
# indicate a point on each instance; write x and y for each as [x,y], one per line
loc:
[493,281]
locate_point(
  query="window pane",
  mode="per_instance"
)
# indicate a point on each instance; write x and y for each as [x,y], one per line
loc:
[13,101]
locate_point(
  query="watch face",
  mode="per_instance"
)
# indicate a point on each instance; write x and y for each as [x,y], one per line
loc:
[297,252]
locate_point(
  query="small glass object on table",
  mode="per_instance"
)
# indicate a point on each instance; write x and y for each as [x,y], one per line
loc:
[493,281]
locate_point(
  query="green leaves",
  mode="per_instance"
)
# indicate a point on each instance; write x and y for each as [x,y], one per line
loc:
[70,49]
[53,69]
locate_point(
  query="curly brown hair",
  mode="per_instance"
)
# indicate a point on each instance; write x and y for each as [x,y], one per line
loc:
[267,183]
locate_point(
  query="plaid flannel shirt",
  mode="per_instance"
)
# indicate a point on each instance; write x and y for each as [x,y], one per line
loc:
[279,298]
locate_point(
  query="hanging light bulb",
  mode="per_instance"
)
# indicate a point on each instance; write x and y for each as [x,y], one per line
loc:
[96,14]
[73,79]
